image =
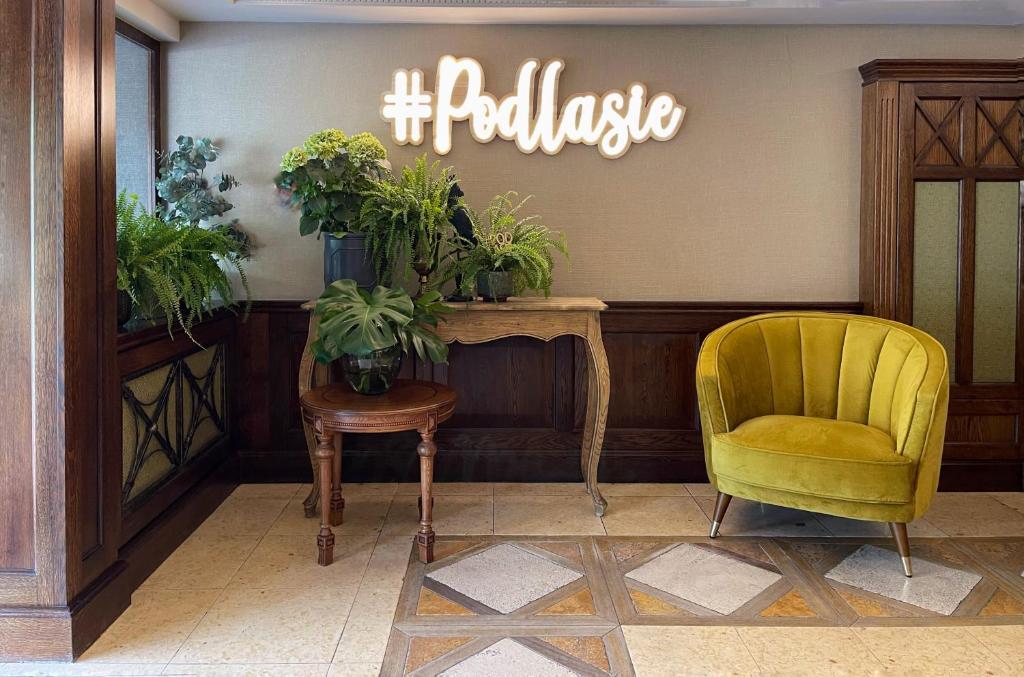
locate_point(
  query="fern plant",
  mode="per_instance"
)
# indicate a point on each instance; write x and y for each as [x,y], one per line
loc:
[408,220]
[508,242]
[173,268]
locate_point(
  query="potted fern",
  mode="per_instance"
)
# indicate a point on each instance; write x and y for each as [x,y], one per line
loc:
[173,269]
[408,220]
[369,331]
[511,254]
[325,179]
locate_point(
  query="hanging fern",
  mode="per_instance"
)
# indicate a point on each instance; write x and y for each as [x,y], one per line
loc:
[173,268]
[508,242]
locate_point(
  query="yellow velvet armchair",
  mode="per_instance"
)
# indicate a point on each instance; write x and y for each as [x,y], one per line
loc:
[839,414]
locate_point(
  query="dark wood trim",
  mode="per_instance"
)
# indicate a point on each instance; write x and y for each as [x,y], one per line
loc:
[980,70]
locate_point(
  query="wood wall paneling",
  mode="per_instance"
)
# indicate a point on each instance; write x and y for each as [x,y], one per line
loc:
[520,414]
[17,535]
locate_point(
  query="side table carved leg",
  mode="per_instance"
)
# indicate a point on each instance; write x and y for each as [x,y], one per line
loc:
[425,538]
[325,456]
[598,387]
[337,502]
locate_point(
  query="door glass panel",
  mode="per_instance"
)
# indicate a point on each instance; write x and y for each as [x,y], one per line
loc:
[936,224]
[995,281]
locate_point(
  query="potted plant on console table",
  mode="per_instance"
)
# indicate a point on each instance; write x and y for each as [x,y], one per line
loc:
[370,331]
[326,178]
[511,253]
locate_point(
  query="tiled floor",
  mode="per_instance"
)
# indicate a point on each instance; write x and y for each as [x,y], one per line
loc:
[243,596]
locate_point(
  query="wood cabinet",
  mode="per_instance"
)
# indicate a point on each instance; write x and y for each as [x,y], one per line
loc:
[941,207]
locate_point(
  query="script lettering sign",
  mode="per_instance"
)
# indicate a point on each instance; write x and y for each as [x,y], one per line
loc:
[529,115]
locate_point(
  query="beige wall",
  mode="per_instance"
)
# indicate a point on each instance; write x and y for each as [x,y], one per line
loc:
[755,199]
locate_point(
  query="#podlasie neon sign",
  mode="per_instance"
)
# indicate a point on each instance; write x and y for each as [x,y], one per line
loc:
[612,121]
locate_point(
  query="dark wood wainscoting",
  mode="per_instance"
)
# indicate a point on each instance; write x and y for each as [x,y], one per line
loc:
[521,406]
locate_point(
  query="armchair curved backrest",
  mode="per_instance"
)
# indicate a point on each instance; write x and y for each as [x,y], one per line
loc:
[861,369]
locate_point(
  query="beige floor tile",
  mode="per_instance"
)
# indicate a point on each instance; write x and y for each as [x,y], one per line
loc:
[250,670]
[356,489]
[266,491]
[642,489]
[681,651]
[354,670]
[1014,499]
[974,514]
[202,562]
[290,562]
[452,516]
[242,517]
[748,518]
[540,489]
[842,527]
[655,516]
[931,651]
[364,489]
[369,626]
[364,515]
[704,489]
[545,515]
[153,628]
[388,563]
[814,652]
[449,489]
[81,668]
[247,625]
[1005,641]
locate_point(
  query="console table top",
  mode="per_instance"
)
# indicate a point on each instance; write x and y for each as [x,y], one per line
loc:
[521,303]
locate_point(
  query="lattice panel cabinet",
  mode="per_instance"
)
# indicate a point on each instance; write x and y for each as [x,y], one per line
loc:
[172,413]
[941,210]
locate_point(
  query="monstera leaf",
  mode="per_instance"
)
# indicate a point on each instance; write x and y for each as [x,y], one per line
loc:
[354,321]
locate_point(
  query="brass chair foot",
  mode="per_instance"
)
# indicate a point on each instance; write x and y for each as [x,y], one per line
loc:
[908,570]
[721,505]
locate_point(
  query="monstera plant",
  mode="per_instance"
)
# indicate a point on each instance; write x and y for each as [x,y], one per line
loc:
[369,331]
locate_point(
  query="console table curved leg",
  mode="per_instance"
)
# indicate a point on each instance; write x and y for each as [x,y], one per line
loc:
[425,538]
[325,457]
[598,388]
[311,375]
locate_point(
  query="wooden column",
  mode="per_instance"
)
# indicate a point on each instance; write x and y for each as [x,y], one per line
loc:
[59,500]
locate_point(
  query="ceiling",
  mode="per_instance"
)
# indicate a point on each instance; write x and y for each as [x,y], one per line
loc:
[617,12]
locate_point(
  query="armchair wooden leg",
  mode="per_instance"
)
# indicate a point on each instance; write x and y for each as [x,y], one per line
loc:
[899,534]
[721,505]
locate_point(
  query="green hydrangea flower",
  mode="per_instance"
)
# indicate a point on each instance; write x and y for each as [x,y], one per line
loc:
[364,148]
[325,144]
[294,159]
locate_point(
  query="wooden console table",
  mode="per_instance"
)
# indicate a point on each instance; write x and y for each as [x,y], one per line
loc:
[479,322]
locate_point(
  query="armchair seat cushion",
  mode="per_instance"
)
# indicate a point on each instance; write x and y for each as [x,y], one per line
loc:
[815,456]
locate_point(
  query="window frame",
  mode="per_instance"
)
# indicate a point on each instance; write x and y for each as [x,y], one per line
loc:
[129,32]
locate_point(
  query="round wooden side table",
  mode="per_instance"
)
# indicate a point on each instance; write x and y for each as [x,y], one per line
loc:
[335,409]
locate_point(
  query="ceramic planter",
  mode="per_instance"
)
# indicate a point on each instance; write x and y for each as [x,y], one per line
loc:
[345,258]
[494,285]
